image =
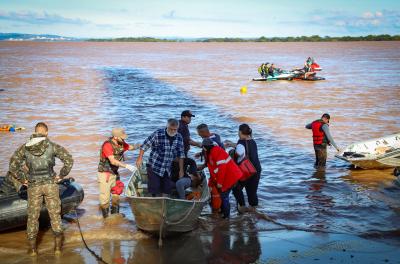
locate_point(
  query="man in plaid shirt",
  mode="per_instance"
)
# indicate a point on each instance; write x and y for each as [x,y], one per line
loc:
[166,145]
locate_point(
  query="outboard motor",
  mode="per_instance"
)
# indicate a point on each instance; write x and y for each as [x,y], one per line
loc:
[396,172]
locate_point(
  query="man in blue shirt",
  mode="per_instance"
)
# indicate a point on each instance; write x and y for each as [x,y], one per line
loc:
[186,118]
[204,132]
[166,145]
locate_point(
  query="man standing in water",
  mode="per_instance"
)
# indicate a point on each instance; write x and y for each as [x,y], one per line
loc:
[39,154]
[166,146]
[186,118]
[111,158]
[321,138]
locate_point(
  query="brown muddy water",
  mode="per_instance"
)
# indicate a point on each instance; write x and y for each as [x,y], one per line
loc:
[82,90]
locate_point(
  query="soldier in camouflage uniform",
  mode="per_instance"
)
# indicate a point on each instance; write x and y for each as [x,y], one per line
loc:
[39,154]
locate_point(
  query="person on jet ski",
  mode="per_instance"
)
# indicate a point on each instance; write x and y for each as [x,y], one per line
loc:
[268,70]
[309,67]
[261,70]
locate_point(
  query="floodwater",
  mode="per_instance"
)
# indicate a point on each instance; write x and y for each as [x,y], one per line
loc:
[82,90]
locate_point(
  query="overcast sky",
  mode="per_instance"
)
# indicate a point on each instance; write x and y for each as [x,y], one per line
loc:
[202,18]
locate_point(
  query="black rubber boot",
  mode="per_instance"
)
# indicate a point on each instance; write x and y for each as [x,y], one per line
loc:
[105,211]
[32,251]
[114,209]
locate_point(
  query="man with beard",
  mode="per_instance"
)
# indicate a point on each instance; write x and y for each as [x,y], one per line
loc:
[166,146]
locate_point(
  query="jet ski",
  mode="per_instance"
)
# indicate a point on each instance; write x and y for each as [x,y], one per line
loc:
[299,75]
[278,76]
[13,204]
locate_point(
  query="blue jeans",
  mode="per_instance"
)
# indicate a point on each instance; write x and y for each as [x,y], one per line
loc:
[182,184]
[225,206]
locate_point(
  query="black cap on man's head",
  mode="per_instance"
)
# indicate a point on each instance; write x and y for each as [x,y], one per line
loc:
[326,115]
[187,113]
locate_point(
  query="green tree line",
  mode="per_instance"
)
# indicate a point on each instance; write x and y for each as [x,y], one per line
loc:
[314,38]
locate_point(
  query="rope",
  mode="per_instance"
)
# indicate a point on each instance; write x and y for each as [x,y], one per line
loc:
[163,220]
[185,217]
[100,259]
[290,227]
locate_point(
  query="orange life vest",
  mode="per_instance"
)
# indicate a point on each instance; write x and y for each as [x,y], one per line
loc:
[216,200]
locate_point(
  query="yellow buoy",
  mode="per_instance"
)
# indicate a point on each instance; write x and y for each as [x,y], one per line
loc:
[243,89]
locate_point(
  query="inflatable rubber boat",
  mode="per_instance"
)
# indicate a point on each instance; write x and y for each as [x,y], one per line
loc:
[13,204]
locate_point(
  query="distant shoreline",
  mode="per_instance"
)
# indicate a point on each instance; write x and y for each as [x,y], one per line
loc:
[314,38]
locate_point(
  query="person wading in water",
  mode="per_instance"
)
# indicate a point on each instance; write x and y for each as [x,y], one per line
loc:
[111,156]
[321,138]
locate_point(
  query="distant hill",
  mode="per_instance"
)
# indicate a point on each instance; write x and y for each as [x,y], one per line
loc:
[33,37]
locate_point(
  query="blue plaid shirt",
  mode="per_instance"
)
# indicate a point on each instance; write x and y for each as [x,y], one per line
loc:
[162,152]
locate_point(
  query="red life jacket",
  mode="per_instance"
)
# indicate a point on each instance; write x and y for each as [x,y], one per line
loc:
[314,66]
[318,133]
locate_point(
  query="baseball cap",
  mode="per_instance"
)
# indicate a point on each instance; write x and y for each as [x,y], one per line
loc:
[119,132]
[187,113]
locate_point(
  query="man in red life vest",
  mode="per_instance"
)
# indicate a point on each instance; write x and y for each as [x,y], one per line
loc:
[111,158]
[321,138]
[224,173]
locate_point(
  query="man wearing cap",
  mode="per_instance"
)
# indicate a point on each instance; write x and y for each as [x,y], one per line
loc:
[111,158]
[186,118]
[321,138]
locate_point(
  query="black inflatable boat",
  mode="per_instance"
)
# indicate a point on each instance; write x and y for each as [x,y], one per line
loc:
[13,205]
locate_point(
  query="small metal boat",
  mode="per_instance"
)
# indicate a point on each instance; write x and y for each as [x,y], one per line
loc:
[163,215]
[379,153]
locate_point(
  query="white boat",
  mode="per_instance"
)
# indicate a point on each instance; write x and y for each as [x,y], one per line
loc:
[163,215]
[378,153]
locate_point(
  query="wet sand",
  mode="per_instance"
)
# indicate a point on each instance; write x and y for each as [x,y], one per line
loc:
[83,89]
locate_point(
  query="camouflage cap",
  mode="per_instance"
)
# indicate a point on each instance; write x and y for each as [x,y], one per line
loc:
[119,132]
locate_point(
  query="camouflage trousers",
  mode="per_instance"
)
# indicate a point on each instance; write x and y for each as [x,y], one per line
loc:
[50,193]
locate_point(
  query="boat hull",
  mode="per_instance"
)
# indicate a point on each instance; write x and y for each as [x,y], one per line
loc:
[366,163]
[164,215]
[379,153]
[149,214]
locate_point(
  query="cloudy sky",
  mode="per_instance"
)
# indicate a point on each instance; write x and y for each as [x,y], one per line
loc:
[201,18]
